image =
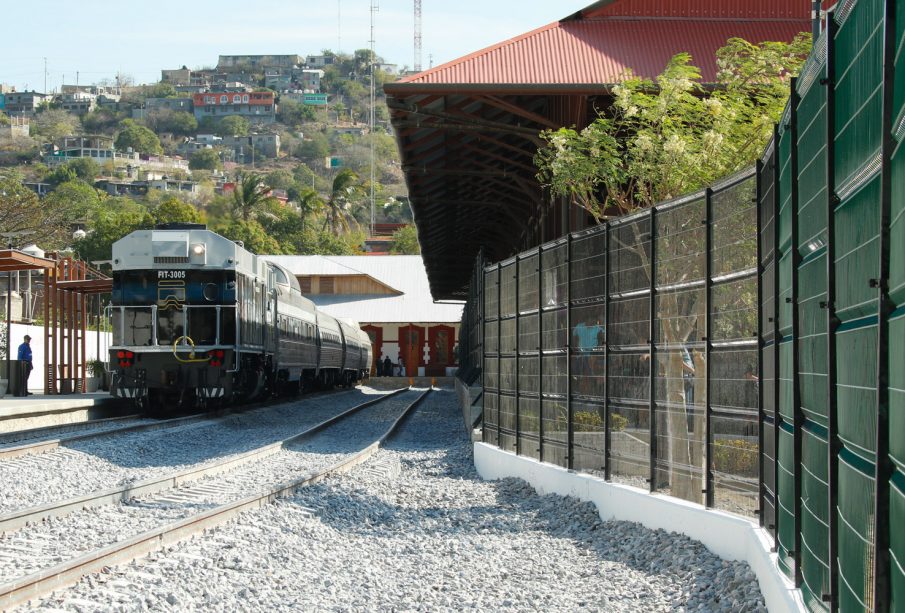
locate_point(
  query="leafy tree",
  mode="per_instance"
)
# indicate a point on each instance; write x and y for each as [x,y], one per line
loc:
[85,169]
[76,200]
[172,209]
[252,234]
[314,147]
[4,119]
[405,241]
[295,114]
[138,137]
[205,159]
[345,187]
[233,125]
[53,124]
[279,179]
[179,123]
[250,194]
[20,210]
[660,140]
[108,225]
[101,121]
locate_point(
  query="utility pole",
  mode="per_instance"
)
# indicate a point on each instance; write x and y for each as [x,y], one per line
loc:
[45,75]
[374,9]
[417,36]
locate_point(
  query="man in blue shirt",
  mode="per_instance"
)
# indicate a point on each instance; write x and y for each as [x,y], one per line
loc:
[25,364]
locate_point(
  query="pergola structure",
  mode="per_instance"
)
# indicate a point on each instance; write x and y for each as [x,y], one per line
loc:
[468,130]
[67,283]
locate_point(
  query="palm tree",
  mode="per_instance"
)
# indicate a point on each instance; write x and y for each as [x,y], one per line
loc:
[345,187]
[249,195]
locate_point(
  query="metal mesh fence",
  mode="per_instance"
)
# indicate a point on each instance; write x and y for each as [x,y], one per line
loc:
[743,347]
[604,340]
[830,284]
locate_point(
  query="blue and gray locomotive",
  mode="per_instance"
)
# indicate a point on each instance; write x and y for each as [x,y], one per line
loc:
[199,320]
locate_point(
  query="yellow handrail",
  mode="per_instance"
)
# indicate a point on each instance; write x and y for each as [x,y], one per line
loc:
[192,359]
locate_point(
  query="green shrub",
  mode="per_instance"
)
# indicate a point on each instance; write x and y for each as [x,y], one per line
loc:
[735,457]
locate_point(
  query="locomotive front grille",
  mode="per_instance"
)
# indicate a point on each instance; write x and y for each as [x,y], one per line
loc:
[170,260]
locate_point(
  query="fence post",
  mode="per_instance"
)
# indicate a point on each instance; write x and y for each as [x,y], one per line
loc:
[540,353]
[832,321]
[652,328]
[607,427]
[776,307]
[518,334]
[499,351]
[882,588]
[798,415]
[570,457]
[708,306]
[759,193]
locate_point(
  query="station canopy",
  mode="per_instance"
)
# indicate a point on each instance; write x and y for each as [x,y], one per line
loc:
[468,130]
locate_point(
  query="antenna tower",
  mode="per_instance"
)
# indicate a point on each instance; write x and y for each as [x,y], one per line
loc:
[371,122]
[417,35]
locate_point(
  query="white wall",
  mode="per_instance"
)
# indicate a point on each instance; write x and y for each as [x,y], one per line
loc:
[36,332]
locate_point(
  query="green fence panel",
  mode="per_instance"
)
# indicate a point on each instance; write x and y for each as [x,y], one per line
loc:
[897,542]
[786,508]
[815,564]
[856,494]
[859,87]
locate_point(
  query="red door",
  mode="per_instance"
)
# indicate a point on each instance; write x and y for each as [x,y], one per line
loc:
[441,340]
[411,343]
[376,336]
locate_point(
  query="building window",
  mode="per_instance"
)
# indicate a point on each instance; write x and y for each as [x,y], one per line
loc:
[224,99]
[327,285]
[245,98]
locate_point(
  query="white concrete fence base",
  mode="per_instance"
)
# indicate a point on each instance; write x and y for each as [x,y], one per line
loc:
[729,536]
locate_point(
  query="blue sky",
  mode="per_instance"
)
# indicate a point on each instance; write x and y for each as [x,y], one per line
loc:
[99,38]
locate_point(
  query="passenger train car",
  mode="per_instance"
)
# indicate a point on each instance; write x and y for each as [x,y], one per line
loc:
[199,320]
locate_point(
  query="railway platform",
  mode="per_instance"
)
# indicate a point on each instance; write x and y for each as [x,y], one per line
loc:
[40,410]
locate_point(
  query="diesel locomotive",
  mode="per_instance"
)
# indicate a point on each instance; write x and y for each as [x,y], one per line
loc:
[198,320]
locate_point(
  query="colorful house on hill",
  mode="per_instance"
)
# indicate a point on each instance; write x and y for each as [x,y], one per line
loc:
[468,129]
[390,297]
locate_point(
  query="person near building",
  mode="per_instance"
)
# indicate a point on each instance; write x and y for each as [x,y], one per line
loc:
[400,367]
[25,365]
[387,367]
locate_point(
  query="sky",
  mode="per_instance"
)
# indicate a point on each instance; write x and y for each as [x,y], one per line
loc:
[100,38]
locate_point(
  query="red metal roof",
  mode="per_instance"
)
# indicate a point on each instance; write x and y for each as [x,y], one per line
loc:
[703,9]
[601,51]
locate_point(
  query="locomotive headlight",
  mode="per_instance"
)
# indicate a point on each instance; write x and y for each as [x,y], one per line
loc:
[197,253]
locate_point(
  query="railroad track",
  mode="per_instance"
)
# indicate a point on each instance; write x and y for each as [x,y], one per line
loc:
[181,510]
[7,438]
[8,452]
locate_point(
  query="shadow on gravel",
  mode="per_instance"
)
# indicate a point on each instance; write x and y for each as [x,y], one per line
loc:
[209,440]
[515,510]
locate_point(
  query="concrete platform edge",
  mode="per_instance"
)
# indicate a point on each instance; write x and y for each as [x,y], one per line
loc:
[726,535]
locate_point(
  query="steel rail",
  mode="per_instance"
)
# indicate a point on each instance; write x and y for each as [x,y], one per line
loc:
[38,447]
[68,573]
[17,519]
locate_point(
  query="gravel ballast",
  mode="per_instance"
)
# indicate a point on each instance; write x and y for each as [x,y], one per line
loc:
[98,464]
[416,529]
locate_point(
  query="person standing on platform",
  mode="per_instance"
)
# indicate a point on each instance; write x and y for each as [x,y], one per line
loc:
[387,367]
[25,365]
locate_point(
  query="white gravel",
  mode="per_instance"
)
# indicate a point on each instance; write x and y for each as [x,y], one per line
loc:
[89,466]
[416,529]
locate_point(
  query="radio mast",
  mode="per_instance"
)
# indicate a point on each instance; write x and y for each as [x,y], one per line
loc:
[417,36]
